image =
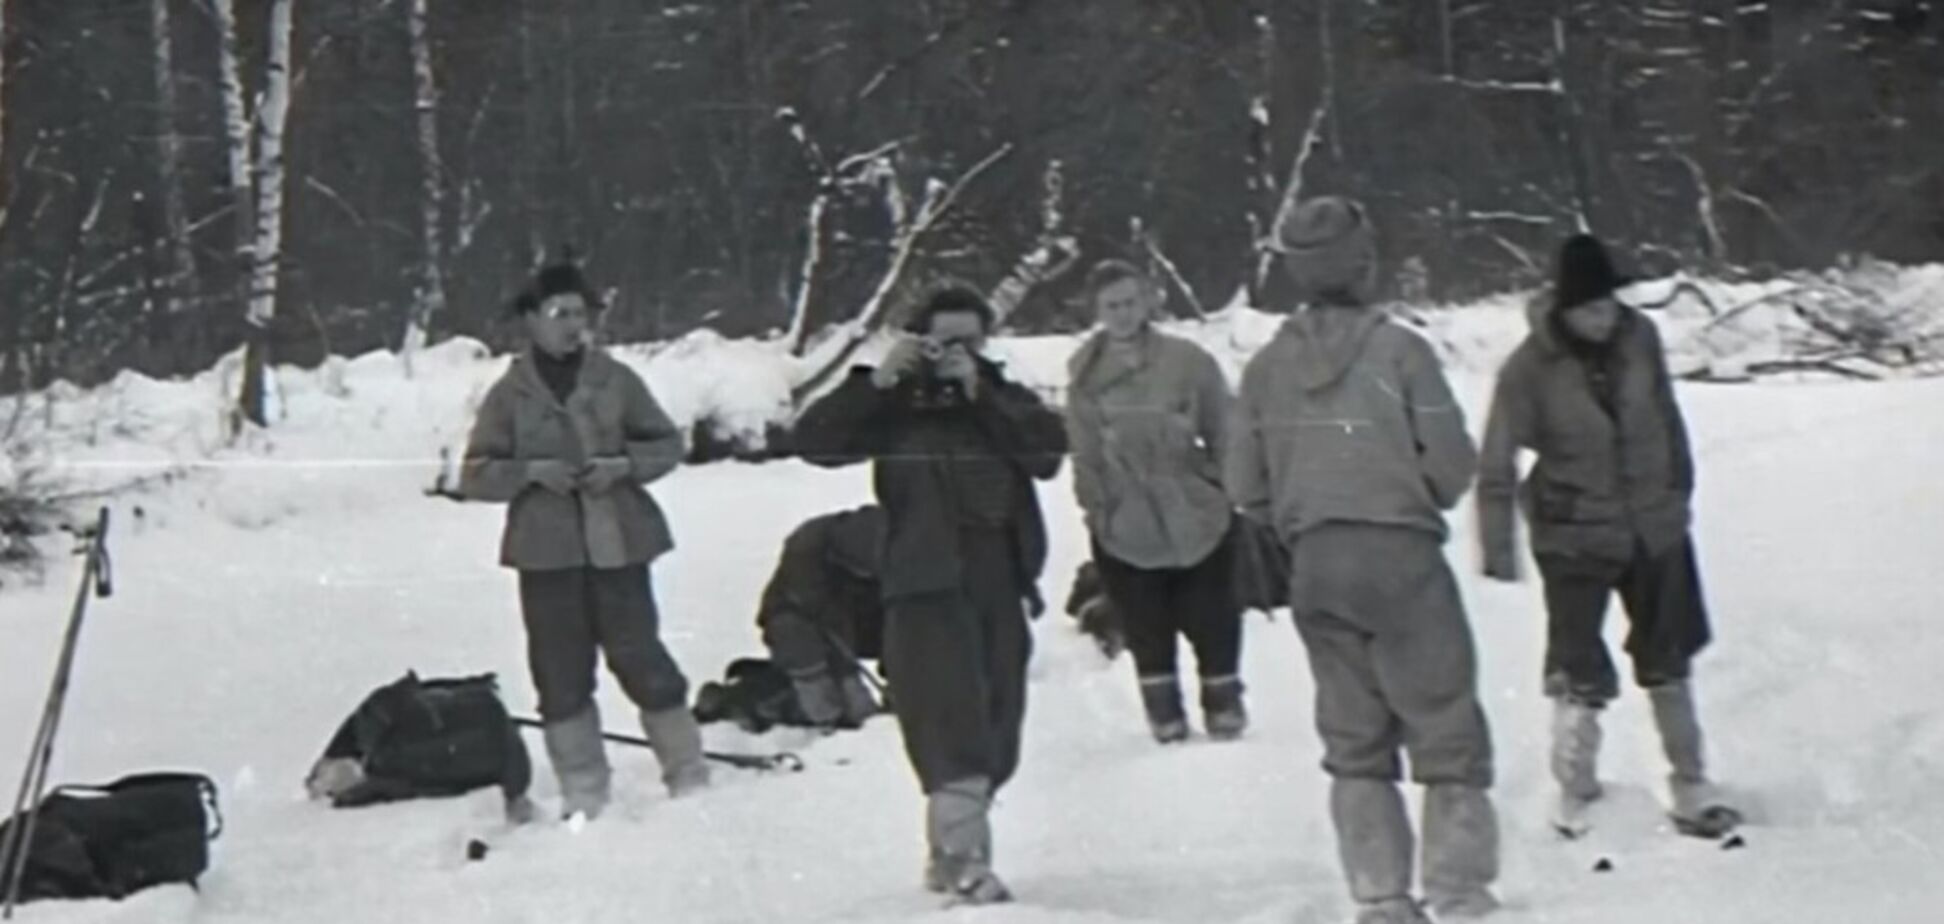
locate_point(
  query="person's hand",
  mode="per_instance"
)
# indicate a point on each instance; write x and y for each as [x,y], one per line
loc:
[604,473]
[552,474]
[904,357]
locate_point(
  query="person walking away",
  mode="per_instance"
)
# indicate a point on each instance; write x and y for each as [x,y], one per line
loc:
[1348,439]
[955,448]
[1145,416]
[1610,503]
[568,437]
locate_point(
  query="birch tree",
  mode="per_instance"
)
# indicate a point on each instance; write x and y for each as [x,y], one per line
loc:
[425,103]
[168,140]
[267,174]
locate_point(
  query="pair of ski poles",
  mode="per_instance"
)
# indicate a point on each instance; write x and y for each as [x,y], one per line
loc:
[96,580]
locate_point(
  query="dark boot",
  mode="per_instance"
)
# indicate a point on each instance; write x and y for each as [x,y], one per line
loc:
[1161,697]
[1222,711]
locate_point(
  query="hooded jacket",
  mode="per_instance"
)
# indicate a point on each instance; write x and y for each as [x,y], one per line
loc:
[1346,417]
[1606,480]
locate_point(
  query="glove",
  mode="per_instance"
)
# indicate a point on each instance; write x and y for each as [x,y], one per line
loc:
[604,473]
[552,474]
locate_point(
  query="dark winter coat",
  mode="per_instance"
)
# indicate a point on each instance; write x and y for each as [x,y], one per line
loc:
[1346,417]
[923,460]
[610,412]
[1147,433]
[827,579]
[1605,480]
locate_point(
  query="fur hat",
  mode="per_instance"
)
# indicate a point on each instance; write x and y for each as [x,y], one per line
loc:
[1328,246]
[1585,273]
[556,279]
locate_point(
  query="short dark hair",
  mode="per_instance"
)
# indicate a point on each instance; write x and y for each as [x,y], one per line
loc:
[1110,271]
[953,298]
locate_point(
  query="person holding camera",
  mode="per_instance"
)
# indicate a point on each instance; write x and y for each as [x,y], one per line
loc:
[567,438]
[1146,414]
[955,449]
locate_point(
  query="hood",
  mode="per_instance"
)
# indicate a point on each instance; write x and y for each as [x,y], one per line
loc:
[1544,324]
[1327,342]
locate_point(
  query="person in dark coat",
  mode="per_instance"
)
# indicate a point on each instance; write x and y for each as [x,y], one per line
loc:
[955,448]
[823,613]
[1610,503]
[568,438]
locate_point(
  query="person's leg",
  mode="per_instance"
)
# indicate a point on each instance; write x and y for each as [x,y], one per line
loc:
[1140,597]
[562,653]
[629,625]
[1205,608]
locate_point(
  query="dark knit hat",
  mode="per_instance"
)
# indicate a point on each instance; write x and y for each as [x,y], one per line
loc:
[1585,273]
[1328,246]
[951,298]
[556,279]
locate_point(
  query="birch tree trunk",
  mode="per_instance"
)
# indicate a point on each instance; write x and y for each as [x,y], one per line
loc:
[425,100]
[266,246]
[175,222]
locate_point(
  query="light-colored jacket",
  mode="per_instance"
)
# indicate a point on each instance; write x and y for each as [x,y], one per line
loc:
[1147,430]
[1346,417]
[609,413]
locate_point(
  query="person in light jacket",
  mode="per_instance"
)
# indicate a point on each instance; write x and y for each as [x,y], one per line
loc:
[568,438]
[1348,439]
[1145,416]
[1610,502]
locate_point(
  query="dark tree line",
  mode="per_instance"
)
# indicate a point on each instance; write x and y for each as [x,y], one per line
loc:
[1719,135]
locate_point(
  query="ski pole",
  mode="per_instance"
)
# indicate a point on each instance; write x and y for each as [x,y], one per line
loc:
[781,760]
[96,579]
[856,663]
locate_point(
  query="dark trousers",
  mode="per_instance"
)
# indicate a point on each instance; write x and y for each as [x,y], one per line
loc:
[1156,605]
[1392,656]
[1666,614]
[574,613]
[957,665]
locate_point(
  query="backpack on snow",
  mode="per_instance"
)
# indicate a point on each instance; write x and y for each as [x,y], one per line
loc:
[755,694]
[114,840]
[416,738]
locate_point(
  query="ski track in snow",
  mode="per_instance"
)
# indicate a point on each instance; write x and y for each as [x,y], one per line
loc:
[255,607]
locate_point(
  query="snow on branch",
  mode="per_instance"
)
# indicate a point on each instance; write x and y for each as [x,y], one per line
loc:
[1554,86]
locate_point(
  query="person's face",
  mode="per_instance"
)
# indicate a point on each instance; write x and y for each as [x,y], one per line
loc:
[1124,307]
[959,335]
[1594,321]
[559,326]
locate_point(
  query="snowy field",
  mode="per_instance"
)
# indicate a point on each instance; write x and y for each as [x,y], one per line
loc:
[264,591]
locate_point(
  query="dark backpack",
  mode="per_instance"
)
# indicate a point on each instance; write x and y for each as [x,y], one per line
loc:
[115,840]
[755,694]
[427,738]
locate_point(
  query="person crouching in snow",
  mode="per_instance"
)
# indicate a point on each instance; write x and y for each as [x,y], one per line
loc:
[1145,416]
[1609,501]
[1348,439]
[822,613]
[955,448]
[567,438]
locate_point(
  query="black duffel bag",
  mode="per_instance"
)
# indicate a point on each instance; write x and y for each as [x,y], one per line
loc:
[115,840]
[415,738]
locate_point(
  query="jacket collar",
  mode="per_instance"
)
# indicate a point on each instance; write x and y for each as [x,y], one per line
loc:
[595,369]
[1087,361]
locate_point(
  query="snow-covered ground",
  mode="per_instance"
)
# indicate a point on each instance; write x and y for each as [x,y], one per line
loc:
[259,597]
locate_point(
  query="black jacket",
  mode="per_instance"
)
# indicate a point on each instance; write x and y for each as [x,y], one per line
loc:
[916,451]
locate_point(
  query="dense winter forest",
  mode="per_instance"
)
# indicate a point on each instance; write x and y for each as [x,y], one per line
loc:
[333,176]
